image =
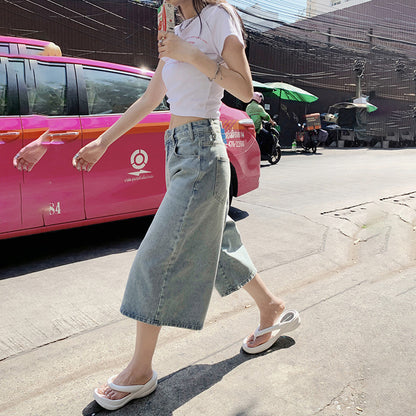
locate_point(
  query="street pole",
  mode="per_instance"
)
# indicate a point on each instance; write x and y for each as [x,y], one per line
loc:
[358,68]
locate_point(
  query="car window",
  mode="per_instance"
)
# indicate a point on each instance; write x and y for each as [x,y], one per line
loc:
[17,66]
[4,49]
[3,91]
[111,92]
[15,71]
[34,50]
[47,90]
[48,96]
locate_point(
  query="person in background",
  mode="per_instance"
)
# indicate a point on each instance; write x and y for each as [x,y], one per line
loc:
[258,114]
[256,111]
[51,49]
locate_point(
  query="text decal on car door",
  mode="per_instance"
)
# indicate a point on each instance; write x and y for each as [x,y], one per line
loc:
[138,160]
[54,208]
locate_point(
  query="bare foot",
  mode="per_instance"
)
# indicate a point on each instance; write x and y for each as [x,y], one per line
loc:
[125,378]
[268,316]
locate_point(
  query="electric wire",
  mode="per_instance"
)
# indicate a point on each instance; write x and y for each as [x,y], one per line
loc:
[79,14]
[328,42]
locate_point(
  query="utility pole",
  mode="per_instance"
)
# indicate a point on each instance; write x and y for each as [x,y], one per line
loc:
[358,68]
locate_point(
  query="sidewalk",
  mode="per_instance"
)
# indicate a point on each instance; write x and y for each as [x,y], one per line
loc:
[350,273]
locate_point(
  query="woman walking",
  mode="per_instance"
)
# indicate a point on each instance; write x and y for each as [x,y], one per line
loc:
[191,245]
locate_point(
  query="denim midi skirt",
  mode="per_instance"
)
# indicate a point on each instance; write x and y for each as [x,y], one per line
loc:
[192,244]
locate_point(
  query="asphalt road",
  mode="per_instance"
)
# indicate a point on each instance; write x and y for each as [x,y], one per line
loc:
[333,233]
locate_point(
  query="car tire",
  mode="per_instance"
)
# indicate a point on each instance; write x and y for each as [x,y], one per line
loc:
[233,185]
[230,192]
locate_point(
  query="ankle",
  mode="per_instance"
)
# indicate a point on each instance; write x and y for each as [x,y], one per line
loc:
[272,306]
[279,305]
[270,312]
[138,374]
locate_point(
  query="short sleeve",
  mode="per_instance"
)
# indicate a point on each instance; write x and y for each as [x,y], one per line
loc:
[224,23]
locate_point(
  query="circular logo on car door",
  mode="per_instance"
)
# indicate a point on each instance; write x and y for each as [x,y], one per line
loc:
[139,159]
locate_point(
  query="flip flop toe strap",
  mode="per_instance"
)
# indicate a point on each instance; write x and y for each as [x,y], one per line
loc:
[129,389]
[122,389]
[284,320]
[256,333]
[259,332]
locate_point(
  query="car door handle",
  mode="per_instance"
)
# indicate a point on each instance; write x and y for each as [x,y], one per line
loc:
[9,136]
[62,138]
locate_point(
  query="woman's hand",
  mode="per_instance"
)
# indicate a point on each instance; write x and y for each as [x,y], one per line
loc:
[172,46]
[89,155]
[27,158]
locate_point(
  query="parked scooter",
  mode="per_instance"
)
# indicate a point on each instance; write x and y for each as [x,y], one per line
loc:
[269,144]
[310,139]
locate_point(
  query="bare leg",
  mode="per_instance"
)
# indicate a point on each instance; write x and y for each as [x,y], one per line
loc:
[270,307]
[139,370]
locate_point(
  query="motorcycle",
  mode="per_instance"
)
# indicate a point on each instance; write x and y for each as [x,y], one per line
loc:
[310,139]
[269,144]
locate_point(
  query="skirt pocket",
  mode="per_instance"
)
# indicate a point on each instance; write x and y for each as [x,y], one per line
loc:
[185,148]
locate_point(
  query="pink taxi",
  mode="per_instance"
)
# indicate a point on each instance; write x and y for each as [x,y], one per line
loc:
[21,46]
[76,100]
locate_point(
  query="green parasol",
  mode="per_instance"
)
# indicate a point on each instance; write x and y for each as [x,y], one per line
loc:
[289,92]
[260,85]
[363,101]
[348,105]
[285,92]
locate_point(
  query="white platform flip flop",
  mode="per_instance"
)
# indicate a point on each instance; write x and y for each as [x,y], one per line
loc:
[288,321]
[136,392]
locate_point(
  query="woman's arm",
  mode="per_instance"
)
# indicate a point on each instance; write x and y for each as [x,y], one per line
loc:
[152,97]
[89,155]
[264,114]
[236,79]
[29,155]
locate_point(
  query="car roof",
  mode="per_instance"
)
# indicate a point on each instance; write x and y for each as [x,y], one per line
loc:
[25,41]
[83,61]
[80,61]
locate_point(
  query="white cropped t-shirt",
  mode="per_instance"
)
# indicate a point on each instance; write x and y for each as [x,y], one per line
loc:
[189,91]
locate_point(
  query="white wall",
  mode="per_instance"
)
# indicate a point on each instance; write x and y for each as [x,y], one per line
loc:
[316,7]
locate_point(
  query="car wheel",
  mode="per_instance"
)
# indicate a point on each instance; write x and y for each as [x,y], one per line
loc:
[230,192]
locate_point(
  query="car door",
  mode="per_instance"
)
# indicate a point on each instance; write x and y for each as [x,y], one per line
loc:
[130,177]
[52,192]
[11,140]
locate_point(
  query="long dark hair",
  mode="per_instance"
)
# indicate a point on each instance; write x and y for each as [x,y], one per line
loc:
[230,9]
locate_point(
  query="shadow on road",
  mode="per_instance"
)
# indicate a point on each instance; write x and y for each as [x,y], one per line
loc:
[178,388]
[38,252]
[237,214]
[301,152]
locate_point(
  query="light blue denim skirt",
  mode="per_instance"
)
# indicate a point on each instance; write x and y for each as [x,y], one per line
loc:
[192,244]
